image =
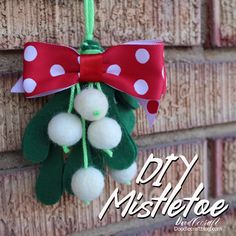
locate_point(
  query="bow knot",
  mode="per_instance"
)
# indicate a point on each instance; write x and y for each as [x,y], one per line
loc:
[91,68]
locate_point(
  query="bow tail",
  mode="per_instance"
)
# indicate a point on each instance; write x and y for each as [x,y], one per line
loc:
[18,86]
[151,108]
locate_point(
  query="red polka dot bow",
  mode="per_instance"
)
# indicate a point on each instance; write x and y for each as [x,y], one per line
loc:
[136,68]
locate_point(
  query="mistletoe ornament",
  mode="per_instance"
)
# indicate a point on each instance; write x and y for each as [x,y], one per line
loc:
[85,130]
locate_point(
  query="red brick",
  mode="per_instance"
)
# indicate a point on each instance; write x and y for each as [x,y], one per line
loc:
[229,166]
[15,113]
[223,31]
[176,22]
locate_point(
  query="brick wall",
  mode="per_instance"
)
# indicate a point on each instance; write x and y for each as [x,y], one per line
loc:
[198,114]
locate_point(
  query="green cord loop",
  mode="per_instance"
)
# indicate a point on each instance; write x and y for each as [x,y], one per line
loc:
[89,19]
[89,46]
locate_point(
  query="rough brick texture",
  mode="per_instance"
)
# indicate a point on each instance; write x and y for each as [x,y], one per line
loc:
[229,165]
[21,214]
[176,22]
[15,113]
[223,31]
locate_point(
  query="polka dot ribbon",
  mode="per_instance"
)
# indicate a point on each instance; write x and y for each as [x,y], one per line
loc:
[136,68]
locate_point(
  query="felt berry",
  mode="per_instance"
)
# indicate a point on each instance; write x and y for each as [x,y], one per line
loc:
[65,129]
[104,134]
[126,175]
[91,104]
[87,183]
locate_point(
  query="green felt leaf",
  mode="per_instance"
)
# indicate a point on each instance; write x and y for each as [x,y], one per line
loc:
[49,186]
[127,100]
[98,159]
[73,163]
[35,141]
[126,152]
[118,111]
[127,117]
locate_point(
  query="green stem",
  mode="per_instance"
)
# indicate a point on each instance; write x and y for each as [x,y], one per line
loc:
[71,101]
[84,144]
[108,152]
[78,88]
[90,85]
[65,149]
[99,86]
[87,203]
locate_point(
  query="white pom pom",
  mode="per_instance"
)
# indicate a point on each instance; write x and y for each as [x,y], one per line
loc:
[65,129]
[126,175]
[104,134]
[91,104]
[87,184]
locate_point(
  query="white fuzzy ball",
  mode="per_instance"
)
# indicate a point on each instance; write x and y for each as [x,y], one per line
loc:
[65,129]
[87,184]
[91,104]
[126,175]
[104,134]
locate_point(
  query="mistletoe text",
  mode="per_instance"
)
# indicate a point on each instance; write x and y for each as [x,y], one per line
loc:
[132,204]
